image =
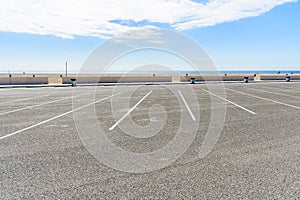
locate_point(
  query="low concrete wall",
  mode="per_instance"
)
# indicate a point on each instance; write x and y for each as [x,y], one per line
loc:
[176,78]
[295,76]
[118,78]
[66,80]
[23,80]
[220,77]
[55,80]
[271,77]
[137,78]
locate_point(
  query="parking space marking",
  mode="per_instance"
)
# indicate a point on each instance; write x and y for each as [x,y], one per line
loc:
[239,106]
[129,111]
[288,88]
[263,98]
[56,117]
[187,106]
[277,93]
[34,106]
[28,98]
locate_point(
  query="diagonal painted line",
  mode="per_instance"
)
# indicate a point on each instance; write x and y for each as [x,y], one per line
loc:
[17,100]
[239,106]
[187,106]
[129,111]
[277,93]
[56,117]
[34,106]
[258,97]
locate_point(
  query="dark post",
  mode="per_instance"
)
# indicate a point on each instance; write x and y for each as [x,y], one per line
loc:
[66,69]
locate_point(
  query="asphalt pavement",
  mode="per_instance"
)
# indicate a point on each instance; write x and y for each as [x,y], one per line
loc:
[256,155]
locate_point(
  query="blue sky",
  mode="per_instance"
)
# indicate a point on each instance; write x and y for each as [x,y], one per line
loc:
[235,36]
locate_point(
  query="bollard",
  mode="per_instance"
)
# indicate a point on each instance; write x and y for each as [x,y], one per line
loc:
[246,79]
[288,79]
[73,82]
[192,80]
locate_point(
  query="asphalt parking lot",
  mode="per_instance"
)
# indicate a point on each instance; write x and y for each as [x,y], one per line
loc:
[257,155]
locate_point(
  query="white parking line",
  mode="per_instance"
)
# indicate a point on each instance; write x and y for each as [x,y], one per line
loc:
[277,93]
[56,117]
[187,106]
[231,102]
[129,111]
[28,107]
[258,97]
[287,89]
[16,100]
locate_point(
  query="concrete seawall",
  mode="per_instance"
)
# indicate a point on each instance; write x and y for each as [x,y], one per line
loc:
[19,79]
[23,80]
[270,77]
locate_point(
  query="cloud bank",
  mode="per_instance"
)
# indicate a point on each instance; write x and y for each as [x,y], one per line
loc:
[104,18]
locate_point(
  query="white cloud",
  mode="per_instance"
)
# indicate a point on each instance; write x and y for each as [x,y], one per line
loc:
[68,18]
